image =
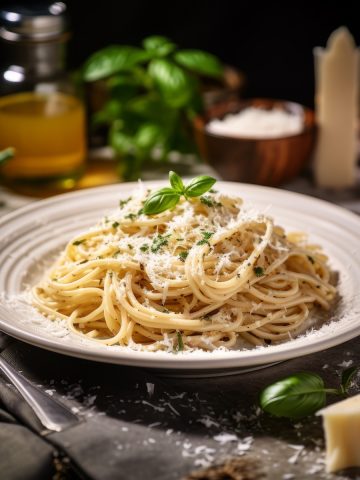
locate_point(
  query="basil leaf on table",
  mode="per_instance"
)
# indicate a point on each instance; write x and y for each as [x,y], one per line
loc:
[111,60]
[296,396]
[346,378]
[199,185]
[301,394]
[199,62]
[161,200]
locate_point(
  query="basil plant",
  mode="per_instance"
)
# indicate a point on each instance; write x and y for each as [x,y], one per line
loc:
[153,94]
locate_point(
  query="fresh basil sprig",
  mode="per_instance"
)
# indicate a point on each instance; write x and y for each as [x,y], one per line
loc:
[166,198]
[301,394]
[153,92]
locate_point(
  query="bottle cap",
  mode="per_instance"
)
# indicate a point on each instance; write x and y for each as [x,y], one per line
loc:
[42,21]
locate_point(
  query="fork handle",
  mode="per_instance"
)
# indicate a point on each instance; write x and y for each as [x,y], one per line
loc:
[53,415]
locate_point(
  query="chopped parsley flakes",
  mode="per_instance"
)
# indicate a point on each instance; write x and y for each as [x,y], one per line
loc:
[311,260]
[122,203]
[144,248]
[205,239]
[183,255]
[180,343]
[131,216]
[209,202]
[78,242]
[259,271]
[159,242]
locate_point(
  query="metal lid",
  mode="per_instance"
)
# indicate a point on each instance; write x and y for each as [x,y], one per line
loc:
[42,21]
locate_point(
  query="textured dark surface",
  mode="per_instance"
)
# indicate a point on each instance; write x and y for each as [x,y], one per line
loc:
[140,425]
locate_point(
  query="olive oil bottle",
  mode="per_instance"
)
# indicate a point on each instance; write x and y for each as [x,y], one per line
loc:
[40,116]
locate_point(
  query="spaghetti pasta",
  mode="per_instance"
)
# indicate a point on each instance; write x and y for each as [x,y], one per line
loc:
[204,275]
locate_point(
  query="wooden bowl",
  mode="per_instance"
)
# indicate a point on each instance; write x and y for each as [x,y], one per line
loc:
[264,161]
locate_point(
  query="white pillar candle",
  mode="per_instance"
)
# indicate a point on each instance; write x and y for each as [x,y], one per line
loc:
[336,102]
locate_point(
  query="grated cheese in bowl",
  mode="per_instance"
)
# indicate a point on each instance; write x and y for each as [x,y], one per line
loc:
[258,123]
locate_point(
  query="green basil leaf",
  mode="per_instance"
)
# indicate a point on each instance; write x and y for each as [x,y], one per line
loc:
[6,154]
[152,108]
[199,185]
[346,378]
[158,45]
[295,396]
[110,112]
[148,135]
[121,142]
[160,201]
[111,60]
[173,83]
[123,79]
[199,62]
[123,93]
[176,182]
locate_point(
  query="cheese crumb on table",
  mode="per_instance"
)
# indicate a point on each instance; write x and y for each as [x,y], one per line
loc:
[342,434]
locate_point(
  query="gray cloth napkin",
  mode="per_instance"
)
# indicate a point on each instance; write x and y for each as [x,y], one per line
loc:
[23,453]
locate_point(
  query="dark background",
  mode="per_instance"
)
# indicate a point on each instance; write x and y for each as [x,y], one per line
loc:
[270,42]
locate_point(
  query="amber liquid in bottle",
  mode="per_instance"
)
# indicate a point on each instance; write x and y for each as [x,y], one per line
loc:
[47,132]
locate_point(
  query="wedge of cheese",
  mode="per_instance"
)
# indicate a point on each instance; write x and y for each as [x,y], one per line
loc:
[342,434]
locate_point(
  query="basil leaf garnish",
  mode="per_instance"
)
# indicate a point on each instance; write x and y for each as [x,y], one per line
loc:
[161,200]
[166,198]
[198,186]
[176,182]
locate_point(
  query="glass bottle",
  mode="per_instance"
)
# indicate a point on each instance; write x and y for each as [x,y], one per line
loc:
[40,115]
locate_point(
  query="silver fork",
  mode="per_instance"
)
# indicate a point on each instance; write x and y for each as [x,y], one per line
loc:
[52,414]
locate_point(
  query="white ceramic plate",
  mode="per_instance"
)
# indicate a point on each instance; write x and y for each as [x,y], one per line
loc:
[31,236]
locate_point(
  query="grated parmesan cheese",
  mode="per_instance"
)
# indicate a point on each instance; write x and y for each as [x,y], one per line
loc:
[258,123]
